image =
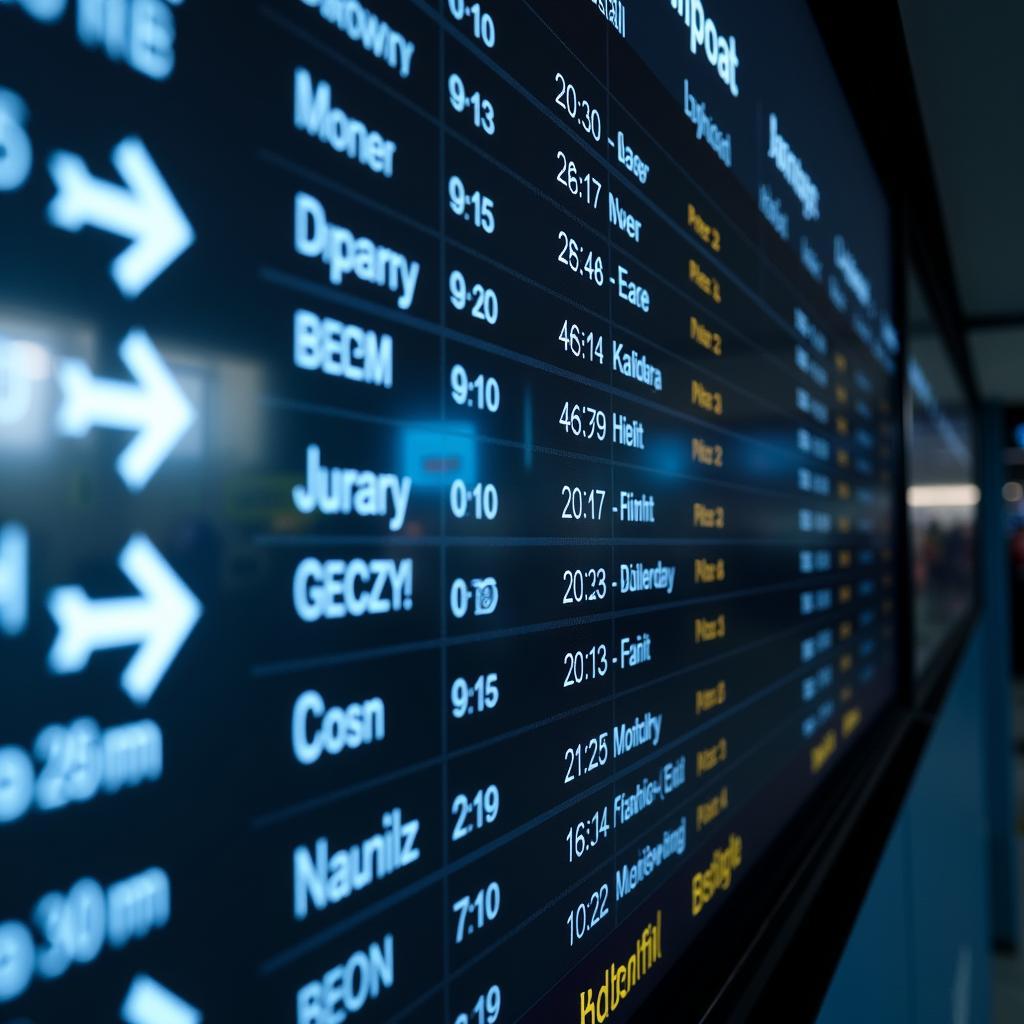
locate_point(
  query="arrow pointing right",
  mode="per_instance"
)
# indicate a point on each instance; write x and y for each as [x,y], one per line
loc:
[154,407]
[15,145]
[149,1002]
[143,210]
[13,578]
[158,621]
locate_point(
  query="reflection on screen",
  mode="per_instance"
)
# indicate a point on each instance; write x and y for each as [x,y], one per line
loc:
[943,497]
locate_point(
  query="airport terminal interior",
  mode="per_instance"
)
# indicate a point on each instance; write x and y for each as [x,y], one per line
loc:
[511,510]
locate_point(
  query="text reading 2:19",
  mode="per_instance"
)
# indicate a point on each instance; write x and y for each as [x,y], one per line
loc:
[476,811]
[486,1009]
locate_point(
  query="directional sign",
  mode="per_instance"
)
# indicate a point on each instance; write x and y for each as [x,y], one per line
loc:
[143,210]
[13,578]
[148,1002]
[158,621]
[15,146]
[154,407]
[42,10]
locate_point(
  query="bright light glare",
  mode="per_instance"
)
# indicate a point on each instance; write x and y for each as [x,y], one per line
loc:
[34,360]
[943,495]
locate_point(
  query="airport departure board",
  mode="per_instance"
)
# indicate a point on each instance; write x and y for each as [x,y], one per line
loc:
[447,496]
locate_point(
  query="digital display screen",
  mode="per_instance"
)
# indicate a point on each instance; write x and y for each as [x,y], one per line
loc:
[448,494]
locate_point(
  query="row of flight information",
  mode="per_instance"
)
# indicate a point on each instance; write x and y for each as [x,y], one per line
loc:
[447,522]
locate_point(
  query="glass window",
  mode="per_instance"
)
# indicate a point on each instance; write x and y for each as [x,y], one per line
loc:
[942,493]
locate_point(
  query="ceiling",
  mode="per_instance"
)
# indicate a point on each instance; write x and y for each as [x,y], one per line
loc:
[969,73]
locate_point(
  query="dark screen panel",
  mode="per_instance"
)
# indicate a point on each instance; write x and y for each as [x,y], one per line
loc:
[448,482]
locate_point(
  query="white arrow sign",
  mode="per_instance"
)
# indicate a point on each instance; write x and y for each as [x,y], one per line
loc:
[148,1002]
[154,407]
[15,145]
[143,210]
[13,578]
[158,621]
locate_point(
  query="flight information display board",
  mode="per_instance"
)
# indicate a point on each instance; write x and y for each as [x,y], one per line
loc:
[446,529]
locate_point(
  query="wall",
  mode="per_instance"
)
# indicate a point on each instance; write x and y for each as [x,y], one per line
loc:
[946,889]
[919,952]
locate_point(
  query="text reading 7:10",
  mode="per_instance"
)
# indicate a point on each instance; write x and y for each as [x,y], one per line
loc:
[474,912]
